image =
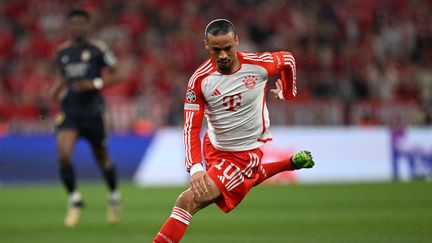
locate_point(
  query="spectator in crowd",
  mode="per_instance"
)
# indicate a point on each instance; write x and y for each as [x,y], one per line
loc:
[350,52]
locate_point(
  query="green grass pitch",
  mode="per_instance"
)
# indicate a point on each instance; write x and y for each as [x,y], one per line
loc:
[373,212]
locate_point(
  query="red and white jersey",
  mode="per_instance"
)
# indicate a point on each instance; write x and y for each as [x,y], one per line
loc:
[235,104]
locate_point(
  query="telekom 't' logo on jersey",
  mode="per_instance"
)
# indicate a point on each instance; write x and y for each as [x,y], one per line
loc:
[232,101]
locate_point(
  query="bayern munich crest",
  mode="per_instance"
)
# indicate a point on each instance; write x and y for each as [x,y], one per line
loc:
[250,81]
[190,96]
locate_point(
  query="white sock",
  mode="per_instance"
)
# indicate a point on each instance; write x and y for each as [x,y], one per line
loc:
[75,197]
[114,197]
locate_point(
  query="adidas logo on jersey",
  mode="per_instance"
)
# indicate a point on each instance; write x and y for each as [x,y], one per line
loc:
[216,93]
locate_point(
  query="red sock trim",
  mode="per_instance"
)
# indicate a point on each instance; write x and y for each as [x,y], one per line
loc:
[174,227]
[181,215]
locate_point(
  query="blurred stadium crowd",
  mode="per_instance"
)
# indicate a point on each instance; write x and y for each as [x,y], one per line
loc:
[359,62]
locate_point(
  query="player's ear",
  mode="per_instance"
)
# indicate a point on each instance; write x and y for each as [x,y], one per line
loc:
[206,44]
[237,40]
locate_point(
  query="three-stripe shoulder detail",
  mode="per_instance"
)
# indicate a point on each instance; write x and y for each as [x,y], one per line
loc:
[63,45]
[262,57]
[203,70]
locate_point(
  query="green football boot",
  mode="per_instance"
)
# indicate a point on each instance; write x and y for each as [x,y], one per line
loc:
[303,159]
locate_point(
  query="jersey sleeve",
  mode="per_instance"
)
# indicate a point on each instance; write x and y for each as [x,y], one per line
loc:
[57,61]
[109,57]
[193,117]
[284,63]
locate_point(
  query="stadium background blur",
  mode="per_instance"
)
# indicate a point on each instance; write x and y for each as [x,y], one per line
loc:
[359,62]
[364,71]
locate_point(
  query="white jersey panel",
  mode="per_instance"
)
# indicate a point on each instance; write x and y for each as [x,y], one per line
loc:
[236,112]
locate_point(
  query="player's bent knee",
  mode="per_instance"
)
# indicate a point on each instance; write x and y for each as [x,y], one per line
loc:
[64,156]
[186,201]
[64,161]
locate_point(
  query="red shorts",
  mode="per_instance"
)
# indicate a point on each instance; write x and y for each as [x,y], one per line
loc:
[235,173]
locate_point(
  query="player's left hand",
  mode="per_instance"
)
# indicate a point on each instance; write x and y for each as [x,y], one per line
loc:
[277,92]
[83,85]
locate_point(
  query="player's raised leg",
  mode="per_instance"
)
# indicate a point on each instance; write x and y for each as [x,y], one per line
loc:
[97,136]
[66,140]
[187,204]
[109,173]
[300,160]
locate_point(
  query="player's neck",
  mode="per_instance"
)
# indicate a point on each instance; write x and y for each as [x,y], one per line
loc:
[80,40]
[235,66]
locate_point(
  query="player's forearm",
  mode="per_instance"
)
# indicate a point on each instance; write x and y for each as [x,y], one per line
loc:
[110,77]
[193,117]
[289,88]
[56,89]
[288,75]
[192,147]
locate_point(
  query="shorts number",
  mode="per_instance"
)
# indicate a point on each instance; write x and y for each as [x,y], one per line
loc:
[229,172]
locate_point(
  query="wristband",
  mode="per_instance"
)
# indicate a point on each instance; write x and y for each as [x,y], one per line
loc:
[196,168]
[98,83]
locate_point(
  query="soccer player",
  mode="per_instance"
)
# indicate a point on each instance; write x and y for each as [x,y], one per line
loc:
[85,66]
[229,90]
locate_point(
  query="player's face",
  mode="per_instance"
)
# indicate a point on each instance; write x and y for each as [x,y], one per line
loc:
[222,49]
[78,27]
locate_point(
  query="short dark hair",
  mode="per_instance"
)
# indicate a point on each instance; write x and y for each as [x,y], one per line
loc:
[219,27]
[78,13]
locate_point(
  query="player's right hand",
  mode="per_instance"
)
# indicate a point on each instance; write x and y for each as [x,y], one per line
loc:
[277,92]
[200,184]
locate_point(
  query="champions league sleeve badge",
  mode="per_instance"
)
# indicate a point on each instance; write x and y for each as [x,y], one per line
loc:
[190,96]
